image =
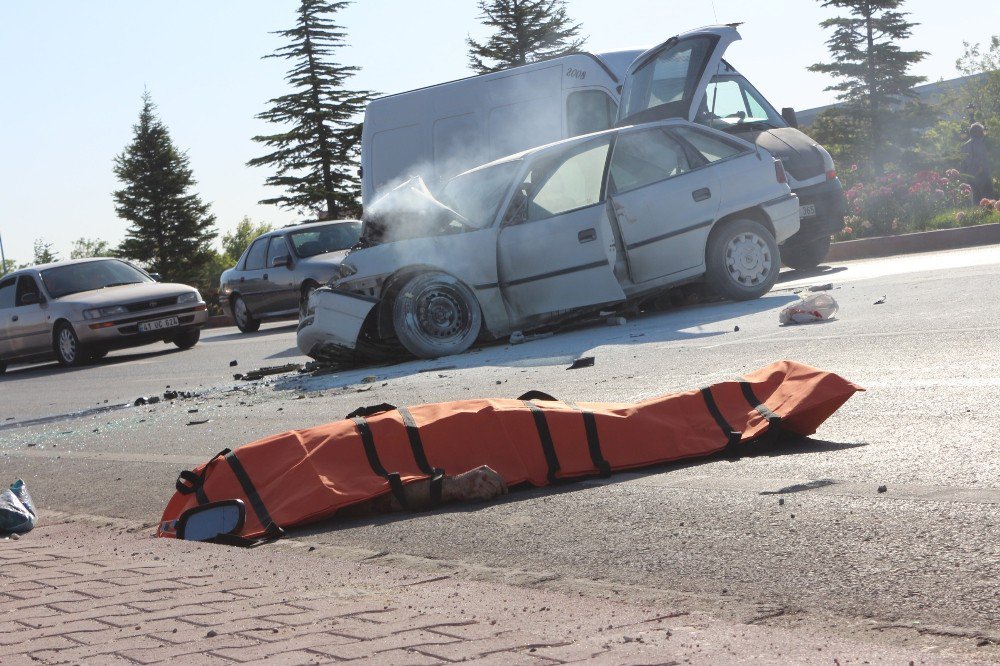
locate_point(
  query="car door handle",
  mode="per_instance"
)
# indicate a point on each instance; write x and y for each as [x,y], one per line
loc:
[702,195]
[587,235]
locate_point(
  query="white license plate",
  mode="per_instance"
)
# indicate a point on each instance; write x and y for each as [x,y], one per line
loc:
[809,210]
[147,326]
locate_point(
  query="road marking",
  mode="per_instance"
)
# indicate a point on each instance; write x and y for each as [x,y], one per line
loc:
[855,335]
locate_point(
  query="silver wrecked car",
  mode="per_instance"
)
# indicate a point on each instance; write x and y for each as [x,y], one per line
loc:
[577,225]
[79,310]
[279,270]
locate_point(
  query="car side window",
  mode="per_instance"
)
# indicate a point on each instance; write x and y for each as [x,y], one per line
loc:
[278,248]
[7,292]
[25,285]
[256,254]
[710,146]
[646,157]
[589,111]
[573,181]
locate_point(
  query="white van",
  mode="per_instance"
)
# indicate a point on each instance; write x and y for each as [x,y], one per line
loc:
[443,130]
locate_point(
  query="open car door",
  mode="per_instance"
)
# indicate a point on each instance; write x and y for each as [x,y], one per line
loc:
[669,80]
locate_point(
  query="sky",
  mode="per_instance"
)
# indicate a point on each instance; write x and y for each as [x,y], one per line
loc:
[74,72]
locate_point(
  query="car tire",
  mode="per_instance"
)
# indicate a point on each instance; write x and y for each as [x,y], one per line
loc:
[187,339]
[69,352]
[308,287]
[3,367]
[244,320]
[804,256]
[434,315]
[742,260]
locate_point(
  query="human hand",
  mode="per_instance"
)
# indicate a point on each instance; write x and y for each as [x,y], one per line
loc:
[479,484]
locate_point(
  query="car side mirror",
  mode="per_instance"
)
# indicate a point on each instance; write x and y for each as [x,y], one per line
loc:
[31,299]
[283,260]
[788,113]
[156,276]
[212,520]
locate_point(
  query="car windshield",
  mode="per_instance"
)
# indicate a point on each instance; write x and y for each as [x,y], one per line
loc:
[88,276]
[477,195]
[310,242]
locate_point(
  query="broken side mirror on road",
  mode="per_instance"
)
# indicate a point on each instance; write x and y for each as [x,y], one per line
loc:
[212,520]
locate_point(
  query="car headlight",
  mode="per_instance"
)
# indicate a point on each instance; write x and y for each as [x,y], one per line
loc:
[190,297]
[347,269]
[101,313]
[367,286]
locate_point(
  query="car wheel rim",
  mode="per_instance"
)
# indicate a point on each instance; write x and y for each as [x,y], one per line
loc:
[241,312]
[748,259]
[442,314]
[67,345]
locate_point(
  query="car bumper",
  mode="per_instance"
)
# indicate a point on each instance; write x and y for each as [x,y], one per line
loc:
[784,216]
[827,204]
[332,324]
[125,331]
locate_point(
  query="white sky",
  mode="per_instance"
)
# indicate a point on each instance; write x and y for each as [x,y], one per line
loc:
[73,73]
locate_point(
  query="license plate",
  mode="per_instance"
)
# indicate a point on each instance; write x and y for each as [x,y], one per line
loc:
[147,326]
[809,210]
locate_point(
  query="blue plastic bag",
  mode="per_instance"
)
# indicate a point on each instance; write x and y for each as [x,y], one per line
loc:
[17,511]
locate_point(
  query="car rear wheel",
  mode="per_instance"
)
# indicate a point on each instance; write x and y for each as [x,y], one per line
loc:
[803,256]
[69,352]
[434,315]
[308,287]
[188,339]
[742,260]
[244,320]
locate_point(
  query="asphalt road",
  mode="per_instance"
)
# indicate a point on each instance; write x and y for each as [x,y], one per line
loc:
[919,564]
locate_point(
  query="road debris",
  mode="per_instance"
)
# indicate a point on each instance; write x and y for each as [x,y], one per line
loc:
[582,362]
[736,329]
[879,301]
[439,368]
[170,395]
[140,401]
[883,489]
[516,338]
[370,379]
[17,510]
[260,373]
[233,364]
[198,422]
[822,287]
[817,307]
[615,321]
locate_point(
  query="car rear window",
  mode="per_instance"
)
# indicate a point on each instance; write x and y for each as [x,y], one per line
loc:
[326,238]
[646,157]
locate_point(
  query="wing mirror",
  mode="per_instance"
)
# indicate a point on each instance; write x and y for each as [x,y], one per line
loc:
[156,276]
[32,299]
[788,113]
[212,520]
[283,260]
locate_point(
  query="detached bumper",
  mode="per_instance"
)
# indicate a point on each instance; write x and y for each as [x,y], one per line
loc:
[784,215]
[330,329]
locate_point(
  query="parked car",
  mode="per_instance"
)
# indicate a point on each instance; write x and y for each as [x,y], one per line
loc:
[581,224]
[79,310]
[279,270]
[440,131]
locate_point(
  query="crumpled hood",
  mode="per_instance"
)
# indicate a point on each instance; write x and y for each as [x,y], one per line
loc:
[801,156]
[408,210]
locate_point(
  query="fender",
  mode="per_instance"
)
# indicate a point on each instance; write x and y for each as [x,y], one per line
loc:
[303,476]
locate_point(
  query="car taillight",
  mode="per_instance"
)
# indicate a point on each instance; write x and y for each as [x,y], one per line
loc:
[831,174]
[779,171]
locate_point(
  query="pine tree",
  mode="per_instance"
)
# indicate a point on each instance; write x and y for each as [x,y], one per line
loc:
[872,68]
[316,155]
[171,229]
[90,247]
[526,31]
[44,253]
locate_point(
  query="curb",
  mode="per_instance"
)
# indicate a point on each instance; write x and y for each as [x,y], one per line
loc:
[921,241]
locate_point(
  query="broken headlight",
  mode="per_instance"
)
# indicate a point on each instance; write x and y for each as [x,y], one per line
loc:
[366,286]
[347,269]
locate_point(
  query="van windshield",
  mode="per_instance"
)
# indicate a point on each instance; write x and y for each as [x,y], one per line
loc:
[476,195]
[731,103]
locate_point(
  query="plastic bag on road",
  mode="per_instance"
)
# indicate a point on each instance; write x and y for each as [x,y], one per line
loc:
[17,511]
[815,307]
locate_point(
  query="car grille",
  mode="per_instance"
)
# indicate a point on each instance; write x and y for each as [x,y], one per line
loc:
[151,304]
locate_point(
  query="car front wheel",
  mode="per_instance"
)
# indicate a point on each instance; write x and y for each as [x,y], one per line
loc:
[244,320]
[742,260]
[188,339]
[69,352]
[434,315]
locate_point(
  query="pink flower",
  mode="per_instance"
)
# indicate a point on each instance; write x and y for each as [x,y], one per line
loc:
[952,173]
[986,203]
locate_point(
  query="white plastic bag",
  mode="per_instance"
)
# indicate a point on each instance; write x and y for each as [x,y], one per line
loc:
[17,511]
[814,307]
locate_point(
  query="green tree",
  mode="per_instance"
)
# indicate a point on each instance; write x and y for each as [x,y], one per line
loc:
[170,228]
[90,247]
[872,70]
[524,31]
[315,154]
[237,240]
[44,253]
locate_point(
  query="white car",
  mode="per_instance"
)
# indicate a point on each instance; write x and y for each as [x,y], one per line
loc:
[580,224]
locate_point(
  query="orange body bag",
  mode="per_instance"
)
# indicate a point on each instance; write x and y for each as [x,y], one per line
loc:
[303,476]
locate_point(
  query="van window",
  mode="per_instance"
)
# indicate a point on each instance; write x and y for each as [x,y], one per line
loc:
[573,181]
[255,256]
[589,111]
[643,158]
[396,154]
[712,147]
[7,293]
[667,82]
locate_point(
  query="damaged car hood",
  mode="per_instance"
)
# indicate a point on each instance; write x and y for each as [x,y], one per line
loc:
[409,211]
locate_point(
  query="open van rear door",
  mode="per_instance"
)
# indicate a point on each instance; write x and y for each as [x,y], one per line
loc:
[669,80]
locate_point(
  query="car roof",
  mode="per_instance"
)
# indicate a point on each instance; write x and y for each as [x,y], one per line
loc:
[54,264]
[304,225]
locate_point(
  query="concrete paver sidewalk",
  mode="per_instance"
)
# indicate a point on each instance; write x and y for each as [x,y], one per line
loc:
[76,593]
